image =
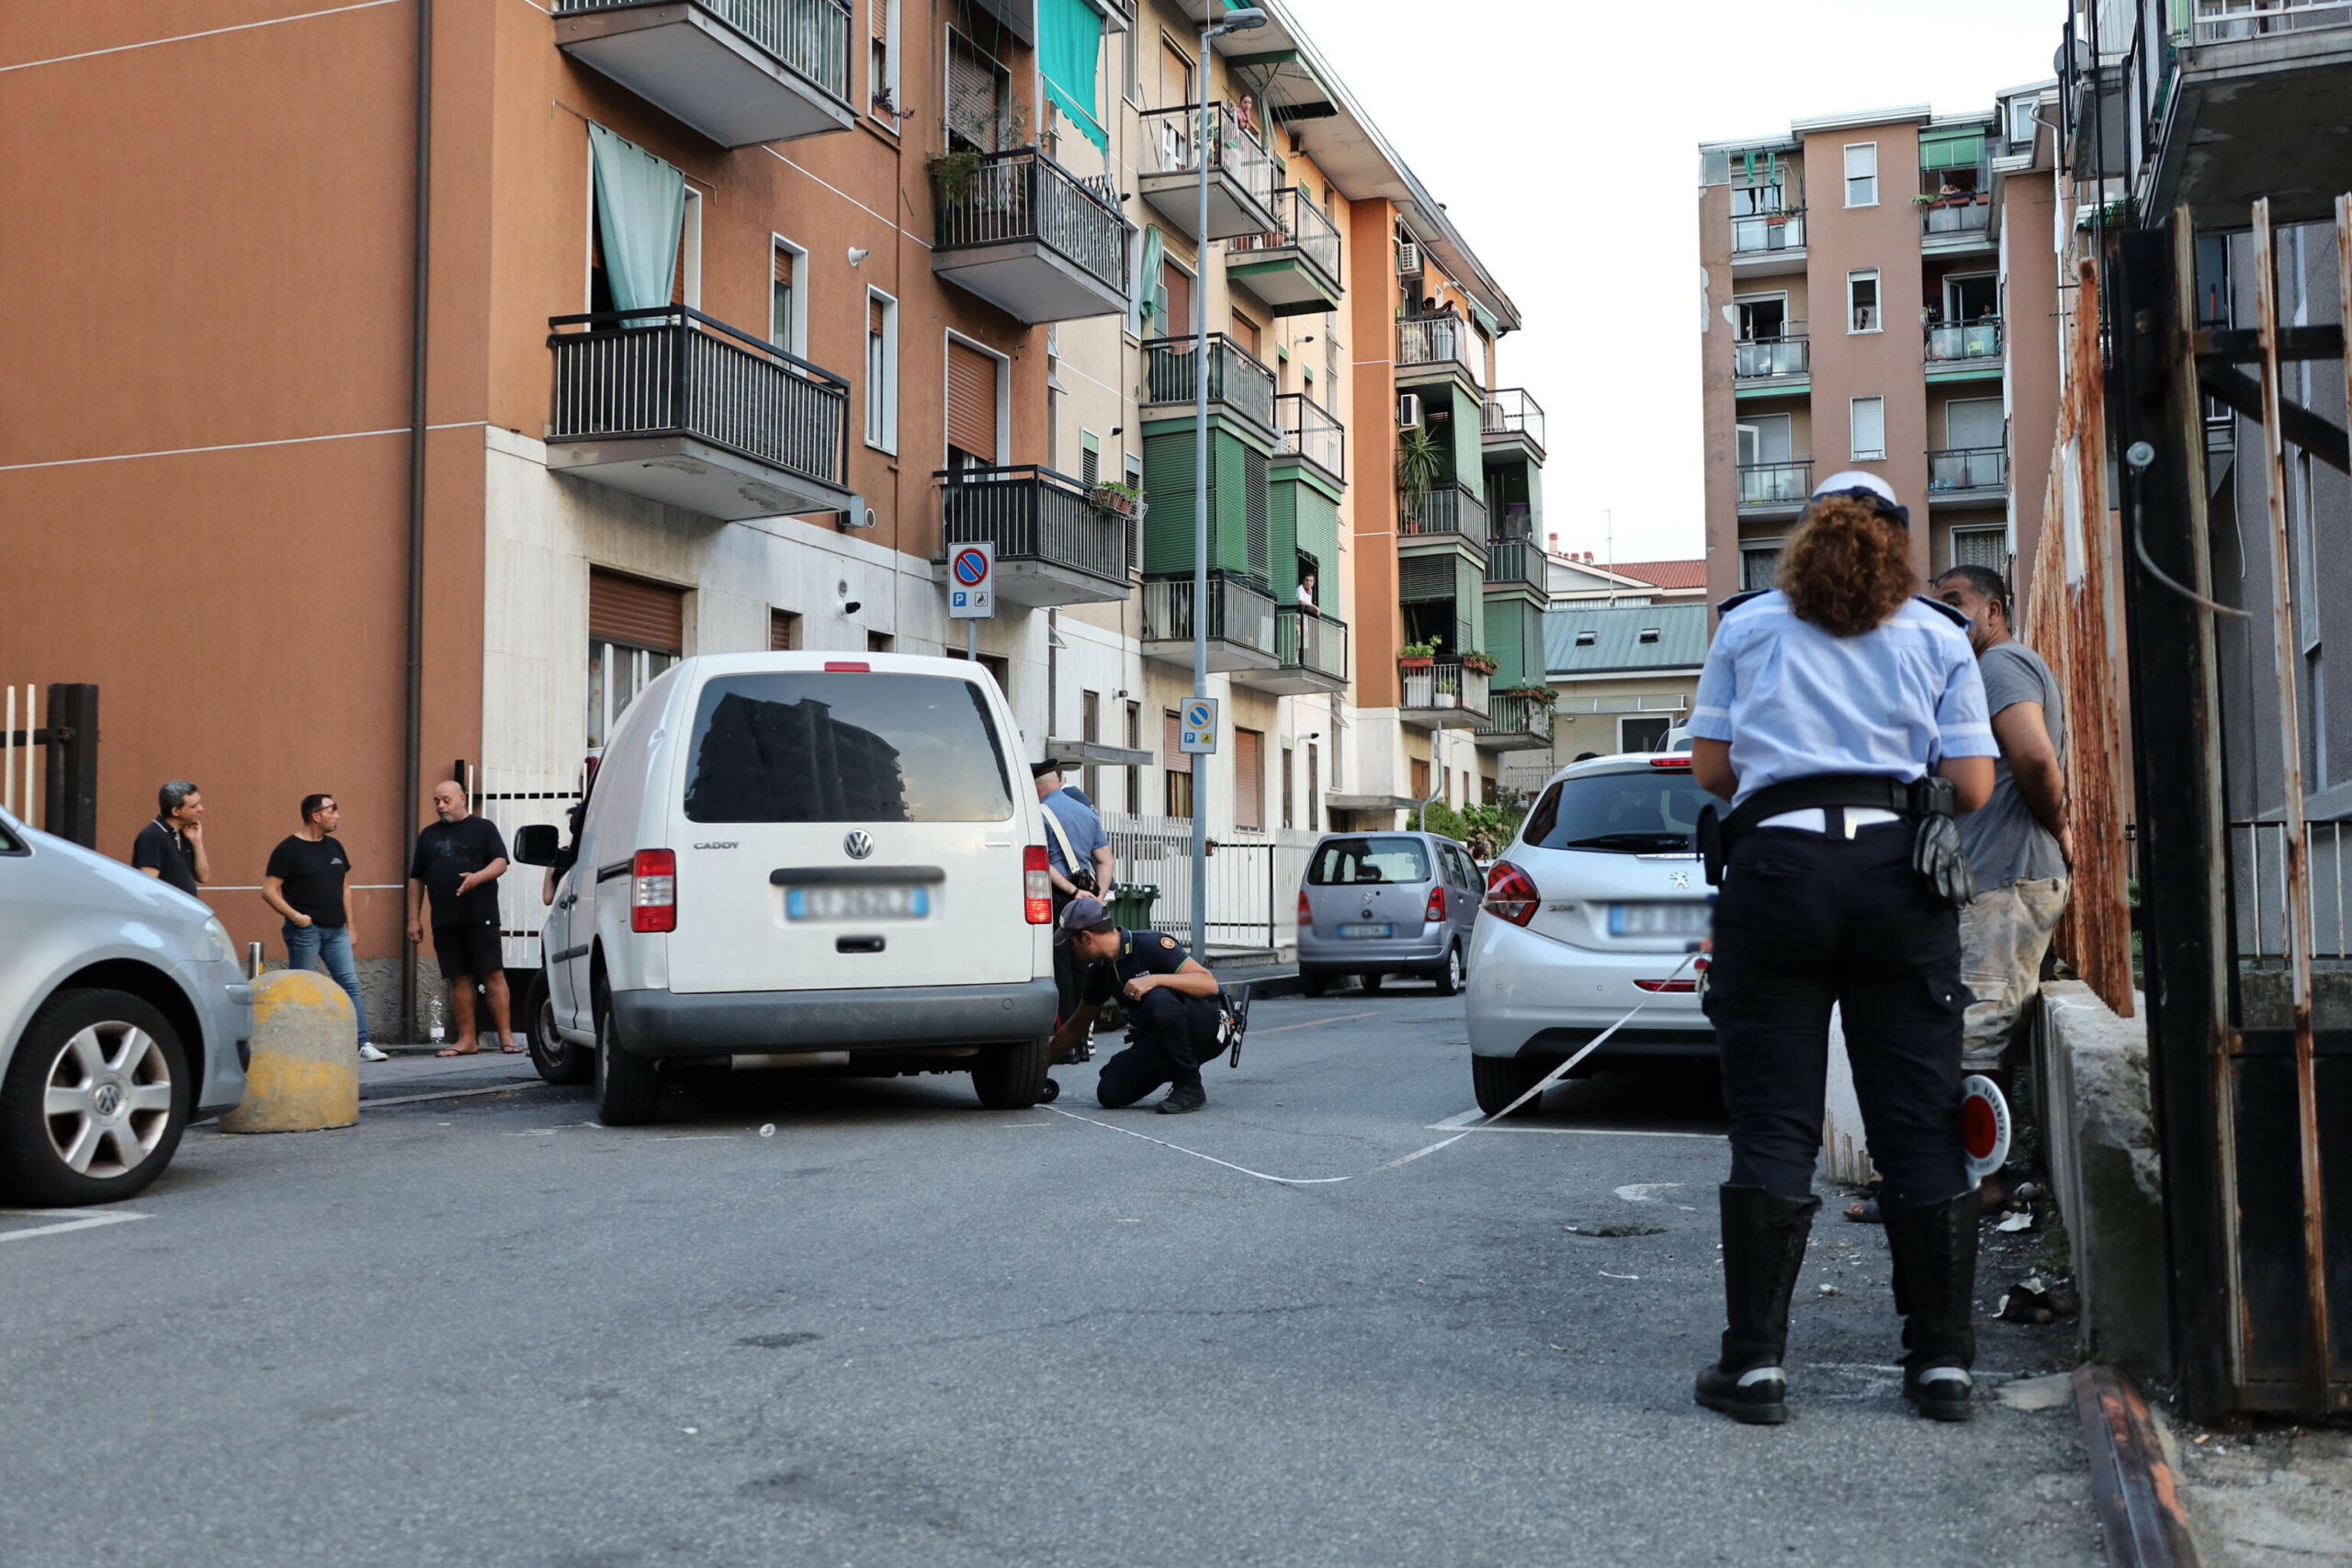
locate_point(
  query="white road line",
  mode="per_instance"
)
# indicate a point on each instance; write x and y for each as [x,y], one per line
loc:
[88,1221]
[1312,1022]
[1453,1123]
[1459,1119]
[498,1087]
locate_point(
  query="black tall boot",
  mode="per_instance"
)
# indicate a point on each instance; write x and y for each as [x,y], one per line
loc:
[1764,1240]
[1934,1247]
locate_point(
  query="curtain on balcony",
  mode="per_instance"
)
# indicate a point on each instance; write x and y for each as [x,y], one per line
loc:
[1950,148]
[1069,41]
[1151,290]
[640,210]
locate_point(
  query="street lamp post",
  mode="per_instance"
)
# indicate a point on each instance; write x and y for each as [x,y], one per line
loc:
[1241,20]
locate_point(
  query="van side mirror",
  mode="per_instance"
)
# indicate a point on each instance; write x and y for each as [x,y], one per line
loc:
[537,844]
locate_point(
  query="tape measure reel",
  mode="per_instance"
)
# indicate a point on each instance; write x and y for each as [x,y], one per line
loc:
[1983,1125]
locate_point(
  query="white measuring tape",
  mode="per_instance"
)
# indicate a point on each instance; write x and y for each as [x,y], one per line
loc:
[1544,1083]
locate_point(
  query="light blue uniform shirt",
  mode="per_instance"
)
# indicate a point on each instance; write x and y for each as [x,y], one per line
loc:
[1795,701]
[1084,827]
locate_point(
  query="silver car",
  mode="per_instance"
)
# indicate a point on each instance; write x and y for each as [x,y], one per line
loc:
[1375,905]
[123,1017]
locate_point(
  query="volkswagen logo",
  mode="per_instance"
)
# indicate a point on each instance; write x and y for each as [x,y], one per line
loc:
[107,1100]
[858,845]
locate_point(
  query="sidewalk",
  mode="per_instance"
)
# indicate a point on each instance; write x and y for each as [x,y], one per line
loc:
[414,1069]
[2265,1498]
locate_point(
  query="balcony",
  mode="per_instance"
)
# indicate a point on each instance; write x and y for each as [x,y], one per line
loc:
[2251,103]
[740,71]
[1056,542]
[1449,514]
[1509,415]
[1515,564]
[1305,428]
[1766,243]
[1775,489]
[1310,653]
[1030,238]
[1239,384]
[1520,722]
[1766,364]
[1295,267]
[1240,625]
[1956,222]
[1438,346]
[1440,694]
[1955,343]
[1967,474]
[1241,174]
[672,405]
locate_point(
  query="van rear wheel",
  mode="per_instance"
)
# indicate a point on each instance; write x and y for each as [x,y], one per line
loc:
[1012,1078]
[628,1089]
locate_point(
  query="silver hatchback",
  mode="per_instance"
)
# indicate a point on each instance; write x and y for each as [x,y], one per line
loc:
[1375,905]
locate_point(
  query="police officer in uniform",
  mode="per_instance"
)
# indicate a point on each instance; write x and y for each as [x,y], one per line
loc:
[1843,718]
[1170,1000]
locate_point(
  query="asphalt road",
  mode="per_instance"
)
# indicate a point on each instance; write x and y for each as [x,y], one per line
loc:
[901,1329]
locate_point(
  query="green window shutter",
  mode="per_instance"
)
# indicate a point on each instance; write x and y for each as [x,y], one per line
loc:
[1951,148]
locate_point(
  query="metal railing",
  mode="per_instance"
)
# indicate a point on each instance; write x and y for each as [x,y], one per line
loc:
[1300,225]
[1309,430]
[1239,612]
[1775,484]
[1438,340]
[1441,684]
[1509,410]
[1767,232]
[1306,639]
[1032,513]
[1968,467]
[2258,859]
[1253,881]
[1443,509]
[808,38]
[1236,378]
[671,370]
[1514,563]
[1509,714]
[1763,358]
[1024,195]
[1951,341]
[2219,21]
[1236,154]
[1968,214]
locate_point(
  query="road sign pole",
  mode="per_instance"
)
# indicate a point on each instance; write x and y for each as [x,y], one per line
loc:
[1201,510]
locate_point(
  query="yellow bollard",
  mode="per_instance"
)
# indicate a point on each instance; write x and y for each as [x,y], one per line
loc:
[305,1069]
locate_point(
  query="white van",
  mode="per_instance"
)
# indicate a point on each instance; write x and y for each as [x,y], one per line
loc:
[803,859]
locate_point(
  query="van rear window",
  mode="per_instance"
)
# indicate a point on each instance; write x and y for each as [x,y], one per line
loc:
[1348,863]
[811,746]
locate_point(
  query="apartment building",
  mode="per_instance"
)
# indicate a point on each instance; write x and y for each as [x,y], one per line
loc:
[736,316]
[1880,289]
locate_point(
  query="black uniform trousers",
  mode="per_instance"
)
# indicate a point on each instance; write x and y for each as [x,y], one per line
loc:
[1065,966]
[1805,919]
[1172,1036]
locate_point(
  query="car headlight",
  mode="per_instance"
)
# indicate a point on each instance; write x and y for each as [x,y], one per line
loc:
[217,944]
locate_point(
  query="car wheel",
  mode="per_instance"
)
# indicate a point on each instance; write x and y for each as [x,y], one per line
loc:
[1314,984]
[1499,1080]
[1449,980]
[94,1101]
[558,1060]
[1372,983]
[629,1088]
[1012,1078]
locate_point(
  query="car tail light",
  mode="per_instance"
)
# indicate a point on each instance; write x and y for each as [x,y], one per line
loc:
[1435,910]
[1681,762]
[1511,893]
[1037,885]
[848,667]
[653,891]
[1671,987]
[1305,915]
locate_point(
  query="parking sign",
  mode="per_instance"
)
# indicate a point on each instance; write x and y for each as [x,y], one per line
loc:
[1196,727]
[971,582]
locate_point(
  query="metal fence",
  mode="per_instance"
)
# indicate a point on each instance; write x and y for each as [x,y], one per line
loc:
[1310,640]
[2218,21]
[1775,484]
[1306,427]
[1239,612]
[1777,231]
[1956,215]
[1760,358]
[1253,878]
[1951,341]
[1443,509]
[1442,684]
[1235,154]
[1238,378]
[1515,563]
[1438,340]
[1509,410]
[2258,864]
[1024,195]
[1032,513]
[1300,225]
[1968,467]
[512,798]
[809,36]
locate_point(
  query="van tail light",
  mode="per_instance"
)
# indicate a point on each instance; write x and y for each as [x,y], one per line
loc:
[1306,914]
[1037,885]
[1511,893]
[1434,910]
[653,891]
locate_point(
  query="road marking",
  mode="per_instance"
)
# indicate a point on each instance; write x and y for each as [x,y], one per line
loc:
[1452,1123]
[501,1087]
[88,1221]
[1314,1023]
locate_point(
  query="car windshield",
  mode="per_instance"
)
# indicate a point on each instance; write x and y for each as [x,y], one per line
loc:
[1654,811]
[823,746]
[1348,863]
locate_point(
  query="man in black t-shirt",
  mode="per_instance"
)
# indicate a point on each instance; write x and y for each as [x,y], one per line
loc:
[1171,1005]
[171,848]
[457,863]
[306,883]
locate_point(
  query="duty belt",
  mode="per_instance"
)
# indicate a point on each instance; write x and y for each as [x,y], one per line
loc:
[1916,799]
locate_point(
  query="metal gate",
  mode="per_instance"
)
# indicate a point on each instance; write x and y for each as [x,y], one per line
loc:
[67,789]
[507,797]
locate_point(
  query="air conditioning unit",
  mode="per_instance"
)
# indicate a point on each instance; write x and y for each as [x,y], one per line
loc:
[1490,417]
[1409,411]
[1409,259]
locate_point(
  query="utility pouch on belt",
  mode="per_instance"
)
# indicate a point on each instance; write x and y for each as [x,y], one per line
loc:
[1936,854]
[1710,845]
[1936,851]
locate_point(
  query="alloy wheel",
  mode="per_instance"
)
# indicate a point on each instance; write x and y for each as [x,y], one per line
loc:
[107,1100]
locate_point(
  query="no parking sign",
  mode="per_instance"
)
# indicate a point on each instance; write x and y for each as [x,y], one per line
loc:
[971,582]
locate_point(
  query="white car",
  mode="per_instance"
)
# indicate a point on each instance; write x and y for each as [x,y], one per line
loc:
[1592,909]
[803,859]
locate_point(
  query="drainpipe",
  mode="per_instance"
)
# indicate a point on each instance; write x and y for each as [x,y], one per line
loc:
[413,732]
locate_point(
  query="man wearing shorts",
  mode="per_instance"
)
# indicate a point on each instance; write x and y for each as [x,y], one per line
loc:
[457,863]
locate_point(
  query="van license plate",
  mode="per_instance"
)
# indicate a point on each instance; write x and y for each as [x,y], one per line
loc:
[1368,931]
[857,903]
[1660,920]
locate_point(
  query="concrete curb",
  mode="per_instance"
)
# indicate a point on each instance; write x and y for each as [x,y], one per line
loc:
[2133,1488]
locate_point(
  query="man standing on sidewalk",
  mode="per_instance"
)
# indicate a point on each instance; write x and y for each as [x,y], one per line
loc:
[171,848]
[307,883]
[458,863]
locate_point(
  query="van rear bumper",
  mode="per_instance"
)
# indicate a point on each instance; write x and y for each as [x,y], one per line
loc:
[882,1018]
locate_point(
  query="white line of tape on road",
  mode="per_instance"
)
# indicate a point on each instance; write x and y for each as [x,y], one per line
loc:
[87,1222]
[1316,1023]
[1452,1121]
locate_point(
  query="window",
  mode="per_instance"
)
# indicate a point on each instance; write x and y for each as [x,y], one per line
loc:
[1760,566]
[2021,120]
[1089,728]
[636,630]
[1177,764]
[1972,296]
[1642,732]
[1175,75]
[1647,633]
[881,371]
[1861,174]
[1249,779]
[1135,743]
[1867,441]
[879,642]
[1290,787]
[1176,288]
[882,59]
[783,631]
[1861,302]
[974,404]
[1587,638]
[1131,46]
[1090,459]
[685,287]
[1370,862]
[978,97]
[998,667]
[1246,333]
[1980,546]
[819,746]
[1314,789]
[1762,316]
[1643,813]
[788,299]
[1420,778]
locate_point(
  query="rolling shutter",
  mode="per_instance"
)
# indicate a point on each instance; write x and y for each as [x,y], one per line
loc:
[1249,779]
[631,610]
[880,11]
[971,402]
[975,107]
[1171,756]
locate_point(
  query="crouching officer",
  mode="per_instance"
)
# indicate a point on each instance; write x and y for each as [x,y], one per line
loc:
[1170,1000]
[1844,718]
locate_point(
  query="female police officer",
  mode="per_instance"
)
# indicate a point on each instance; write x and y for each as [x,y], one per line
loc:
[1844,720]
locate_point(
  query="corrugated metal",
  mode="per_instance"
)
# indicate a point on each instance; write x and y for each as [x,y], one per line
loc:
[1617,638]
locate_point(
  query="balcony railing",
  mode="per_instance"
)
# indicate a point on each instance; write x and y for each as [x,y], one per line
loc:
[1300,225]
[1024,195]
[1237,379]
[1305,428]
[1762,235]
[2219,21]
[1772,358]
[1953,341]
[810,38]
[1441,684]
[1443,508]
[1239,612]
[1033,514]
[1775,484]
[674,371]
[1968,467]
[1306,639]
[1170,136]
[1508,410]
[1438,340]
[1513,717]
[1952,215]
[1515,563]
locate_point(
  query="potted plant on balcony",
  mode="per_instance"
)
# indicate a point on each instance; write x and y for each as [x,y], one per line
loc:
[1420,460]
[1480,662]
[1531,692]
[1417,655]
[1122,499]
[956,172]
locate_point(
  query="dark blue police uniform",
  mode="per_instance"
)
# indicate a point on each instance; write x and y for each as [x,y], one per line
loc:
[1172,1034]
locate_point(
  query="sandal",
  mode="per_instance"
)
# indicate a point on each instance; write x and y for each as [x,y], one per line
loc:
[1865,1211]
[510,1049]
[453,1051]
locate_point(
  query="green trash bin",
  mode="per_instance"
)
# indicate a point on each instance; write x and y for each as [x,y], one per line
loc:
[1131,906]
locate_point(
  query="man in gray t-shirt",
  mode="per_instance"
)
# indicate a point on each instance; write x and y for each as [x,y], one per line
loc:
[2018,844]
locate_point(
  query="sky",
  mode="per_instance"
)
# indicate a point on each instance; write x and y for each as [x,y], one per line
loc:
[1563,137]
